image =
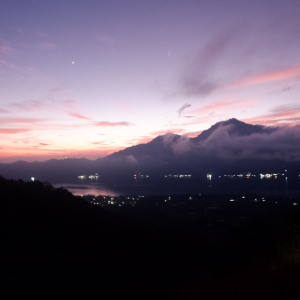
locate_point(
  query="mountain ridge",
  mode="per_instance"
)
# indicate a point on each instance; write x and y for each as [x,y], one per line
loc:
[236,128]
[227,146]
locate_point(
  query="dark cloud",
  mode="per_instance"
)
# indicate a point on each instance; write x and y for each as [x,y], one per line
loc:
[282,143]
[107,41]
[284,88]
[198,77]
[44,144]
[182,108]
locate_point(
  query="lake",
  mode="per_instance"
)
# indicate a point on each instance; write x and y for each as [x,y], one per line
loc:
[176,186]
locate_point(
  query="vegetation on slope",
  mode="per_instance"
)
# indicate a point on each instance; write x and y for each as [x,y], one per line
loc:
[56,245]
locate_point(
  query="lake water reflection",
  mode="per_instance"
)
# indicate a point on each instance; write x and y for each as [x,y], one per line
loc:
[172,187]
[117,190]
[85,189]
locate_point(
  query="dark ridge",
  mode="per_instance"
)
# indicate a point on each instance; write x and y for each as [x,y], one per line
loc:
[156,147]
[57,246]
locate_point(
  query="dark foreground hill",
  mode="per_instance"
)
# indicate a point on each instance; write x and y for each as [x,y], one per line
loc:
[57,246]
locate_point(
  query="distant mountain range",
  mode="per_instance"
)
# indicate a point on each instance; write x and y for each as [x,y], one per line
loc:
[228,146]
[169,145]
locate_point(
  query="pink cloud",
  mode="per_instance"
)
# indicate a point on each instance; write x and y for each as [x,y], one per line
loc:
[68,104]
[13,130]
[204,120]
[30,105]
[111,124]
[3,110]
[268,77]
[20,120]
[34,105]
[42,151]
[98,143]
[281,115]
[153,135]
[62,126]
[193,134]
[42,154]
[225,104]
[78,116]
[7,64]
[125,108]
[163,132]
[5,48]
[143,140]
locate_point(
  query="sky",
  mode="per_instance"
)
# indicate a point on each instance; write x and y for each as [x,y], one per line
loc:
[86,78]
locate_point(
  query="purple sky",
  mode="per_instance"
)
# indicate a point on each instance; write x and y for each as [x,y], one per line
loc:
[85,78]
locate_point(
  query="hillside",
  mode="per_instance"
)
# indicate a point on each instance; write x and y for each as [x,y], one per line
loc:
[55,245]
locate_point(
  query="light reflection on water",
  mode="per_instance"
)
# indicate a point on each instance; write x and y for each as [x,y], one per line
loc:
[87,189]
[131,189]
[172,187]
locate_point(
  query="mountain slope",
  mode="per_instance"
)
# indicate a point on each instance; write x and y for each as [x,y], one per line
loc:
[235,128]
[158,148]
[228,146]
[171,145]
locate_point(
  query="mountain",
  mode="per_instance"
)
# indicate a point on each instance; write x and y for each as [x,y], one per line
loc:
[230,145]
[236,128]
[169,146]
[156,148]
[227,146]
